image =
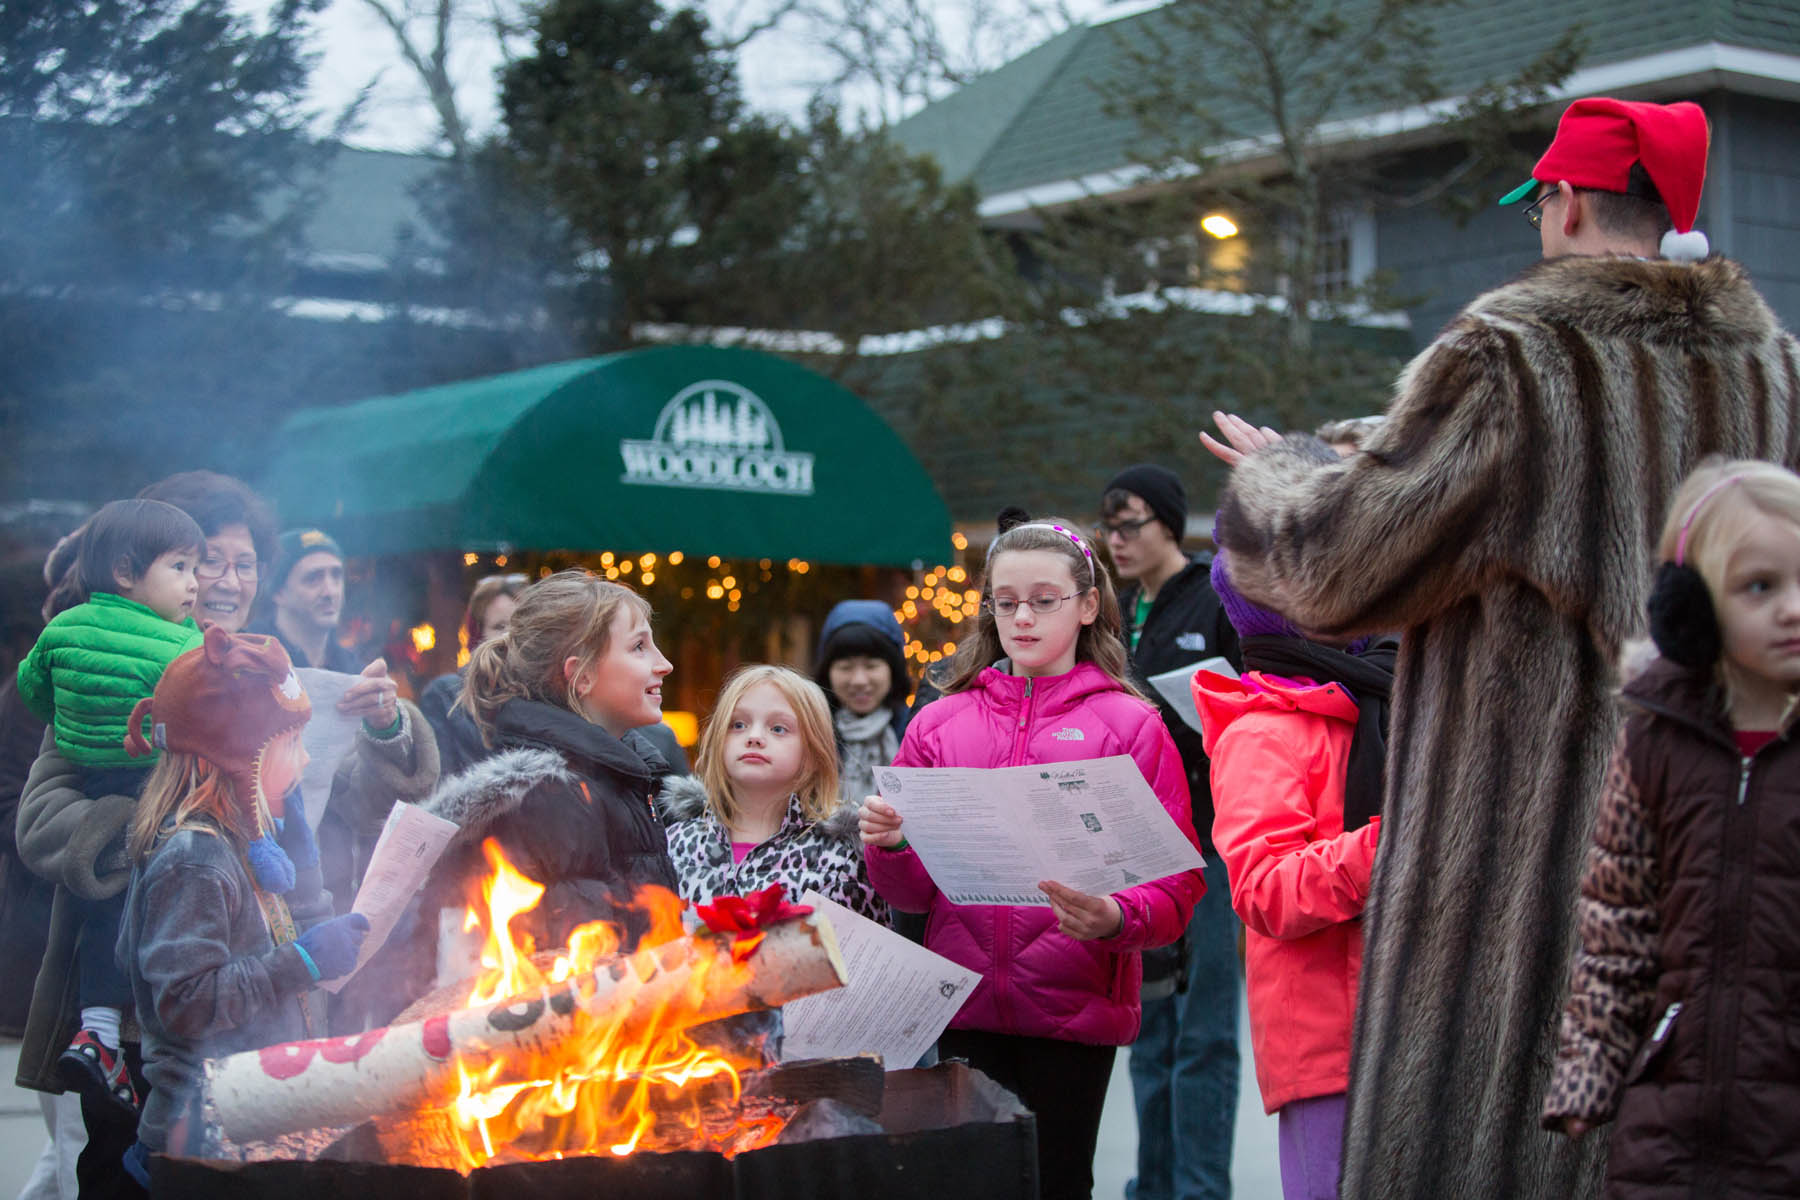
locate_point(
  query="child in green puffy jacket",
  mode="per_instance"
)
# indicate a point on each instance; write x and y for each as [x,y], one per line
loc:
[91,665]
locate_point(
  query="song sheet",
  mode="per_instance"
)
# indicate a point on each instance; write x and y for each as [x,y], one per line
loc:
[409,846]
[1177,687]
[899,998]
[329,736]
[988,835]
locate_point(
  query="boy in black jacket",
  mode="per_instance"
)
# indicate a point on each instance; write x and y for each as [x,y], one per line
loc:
[1184,1065]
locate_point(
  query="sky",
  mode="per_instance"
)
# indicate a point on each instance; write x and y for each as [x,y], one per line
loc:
[778,71]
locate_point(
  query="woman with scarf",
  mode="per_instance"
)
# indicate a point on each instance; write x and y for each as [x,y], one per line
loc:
[1297,747]
[861,664]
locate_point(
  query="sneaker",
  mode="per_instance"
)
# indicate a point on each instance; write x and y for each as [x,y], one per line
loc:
[89,1068]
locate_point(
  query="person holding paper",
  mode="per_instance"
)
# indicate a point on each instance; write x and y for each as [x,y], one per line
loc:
[764,807]
[218,960]
[569,794]
[1297,747]
[1184,1064]
[1043,680]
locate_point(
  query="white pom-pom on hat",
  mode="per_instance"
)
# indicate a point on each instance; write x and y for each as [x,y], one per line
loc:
[1691,246]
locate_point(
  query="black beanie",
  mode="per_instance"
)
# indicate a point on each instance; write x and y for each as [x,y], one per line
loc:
[1158,487]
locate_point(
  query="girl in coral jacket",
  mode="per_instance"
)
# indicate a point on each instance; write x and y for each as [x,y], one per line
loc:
[1042,681]
[1296,747]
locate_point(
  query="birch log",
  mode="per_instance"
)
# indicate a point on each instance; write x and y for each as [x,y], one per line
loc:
[261,1094]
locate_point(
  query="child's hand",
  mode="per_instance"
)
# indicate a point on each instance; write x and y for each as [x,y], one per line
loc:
[879,823]
[333,945]
[1081,916]
[273,869]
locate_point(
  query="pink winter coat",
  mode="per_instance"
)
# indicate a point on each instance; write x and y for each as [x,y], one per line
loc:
[1279,751]
[1037,981]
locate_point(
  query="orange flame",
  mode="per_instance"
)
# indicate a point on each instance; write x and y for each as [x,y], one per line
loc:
[595,1091]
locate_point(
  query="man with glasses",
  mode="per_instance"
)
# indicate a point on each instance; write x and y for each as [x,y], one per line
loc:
[1503,519]
[1184,1065]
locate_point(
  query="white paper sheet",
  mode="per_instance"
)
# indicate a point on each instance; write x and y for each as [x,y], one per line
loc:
[328,737]
[409,846]
[1177,687]
[899,998]
[988,835]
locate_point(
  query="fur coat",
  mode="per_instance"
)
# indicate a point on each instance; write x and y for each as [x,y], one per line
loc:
[1504,517]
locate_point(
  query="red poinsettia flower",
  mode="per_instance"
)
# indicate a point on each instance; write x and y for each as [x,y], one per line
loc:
[747,917]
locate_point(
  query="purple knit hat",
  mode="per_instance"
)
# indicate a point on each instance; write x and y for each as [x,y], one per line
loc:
[1248,619]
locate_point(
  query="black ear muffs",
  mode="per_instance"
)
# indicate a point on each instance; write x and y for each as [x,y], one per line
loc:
[1682,622]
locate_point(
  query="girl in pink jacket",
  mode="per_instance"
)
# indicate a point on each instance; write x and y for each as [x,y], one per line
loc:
[1042,681]
[1296,747]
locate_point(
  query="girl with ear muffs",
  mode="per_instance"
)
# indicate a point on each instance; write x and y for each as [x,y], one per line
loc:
[1681,1024]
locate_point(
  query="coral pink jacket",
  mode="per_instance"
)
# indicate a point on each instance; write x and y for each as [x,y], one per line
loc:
[1279,750]
[1037,981]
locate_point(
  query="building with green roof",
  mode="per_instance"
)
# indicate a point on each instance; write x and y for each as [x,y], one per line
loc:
[1035,134]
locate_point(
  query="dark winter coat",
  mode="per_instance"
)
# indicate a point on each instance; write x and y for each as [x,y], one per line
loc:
[24,897]
[1185,624]
[1682,1016]
[77,842]
[572,807]
[458,737]
[804,855]
[1503,517]
[207,979]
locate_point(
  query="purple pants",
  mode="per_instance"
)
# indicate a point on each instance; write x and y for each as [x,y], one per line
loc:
[1311,1134]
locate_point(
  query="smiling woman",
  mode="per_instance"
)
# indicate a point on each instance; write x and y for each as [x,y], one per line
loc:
[560,696]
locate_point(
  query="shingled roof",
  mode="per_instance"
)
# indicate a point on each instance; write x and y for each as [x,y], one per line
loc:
[1039,122]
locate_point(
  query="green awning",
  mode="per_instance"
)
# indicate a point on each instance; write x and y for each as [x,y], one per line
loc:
[690,448]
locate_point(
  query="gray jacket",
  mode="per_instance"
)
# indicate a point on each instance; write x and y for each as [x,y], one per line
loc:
[206,977]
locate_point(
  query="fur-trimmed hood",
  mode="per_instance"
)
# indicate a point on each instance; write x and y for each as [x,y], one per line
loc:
[495,787]
[683,798]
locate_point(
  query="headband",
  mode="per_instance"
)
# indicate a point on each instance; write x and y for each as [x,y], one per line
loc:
[1688,522]
[1068,533]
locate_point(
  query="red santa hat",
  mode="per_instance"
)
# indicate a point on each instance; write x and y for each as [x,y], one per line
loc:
[1600,139]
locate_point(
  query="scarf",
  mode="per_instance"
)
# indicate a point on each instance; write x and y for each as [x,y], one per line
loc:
[1369,677]
[864,743]
[281,931]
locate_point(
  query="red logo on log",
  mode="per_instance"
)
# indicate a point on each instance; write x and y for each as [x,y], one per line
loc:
[437,1037]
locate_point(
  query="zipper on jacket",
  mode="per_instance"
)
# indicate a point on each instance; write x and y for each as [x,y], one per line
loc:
[1744,781]
[1018,749]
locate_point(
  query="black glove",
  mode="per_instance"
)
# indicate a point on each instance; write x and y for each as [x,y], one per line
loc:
[331,947]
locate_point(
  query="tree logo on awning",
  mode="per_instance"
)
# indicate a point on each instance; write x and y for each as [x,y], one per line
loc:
[719,435]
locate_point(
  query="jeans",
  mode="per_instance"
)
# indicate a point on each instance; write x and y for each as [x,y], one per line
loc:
[1184,1064]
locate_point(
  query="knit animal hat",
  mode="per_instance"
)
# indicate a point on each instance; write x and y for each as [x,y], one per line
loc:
[225,701]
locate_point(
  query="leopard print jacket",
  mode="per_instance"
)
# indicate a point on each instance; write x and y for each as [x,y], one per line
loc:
[823,856]
[1613,982]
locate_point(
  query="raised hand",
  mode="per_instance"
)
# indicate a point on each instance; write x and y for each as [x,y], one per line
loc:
[1241,438]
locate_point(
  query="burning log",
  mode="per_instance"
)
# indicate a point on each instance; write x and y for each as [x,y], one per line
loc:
[408,1068]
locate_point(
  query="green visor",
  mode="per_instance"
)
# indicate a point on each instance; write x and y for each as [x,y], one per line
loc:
[1519,193]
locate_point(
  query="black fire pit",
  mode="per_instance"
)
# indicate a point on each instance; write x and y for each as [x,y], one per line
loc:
[949,1130]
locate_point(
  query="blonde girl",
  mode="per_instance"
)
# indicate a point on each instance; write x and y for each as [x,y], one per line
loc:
[1042,681]
[218,938]
[568,792]
[764,807]
[1680,1022]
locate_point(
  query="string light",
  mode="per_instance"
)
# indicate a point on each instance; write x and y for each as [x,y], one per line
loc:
[676,557]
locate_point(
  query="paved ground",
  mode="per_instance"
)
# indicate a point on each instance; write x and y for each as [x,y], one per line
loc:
[1255,1173]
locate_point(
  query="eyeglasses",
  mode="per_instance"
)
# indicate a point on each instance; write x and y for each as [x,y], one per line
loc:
[215,568]
[1126,531]
[1534,212]
[1043,605]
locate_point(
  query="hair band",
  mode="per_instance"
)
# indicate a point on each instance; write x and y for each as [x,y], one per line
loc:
[1687,523]
[1068,533]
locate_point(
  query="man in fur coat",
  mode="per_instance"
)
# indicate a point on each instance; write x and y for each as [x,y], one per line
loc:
[1504,517]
